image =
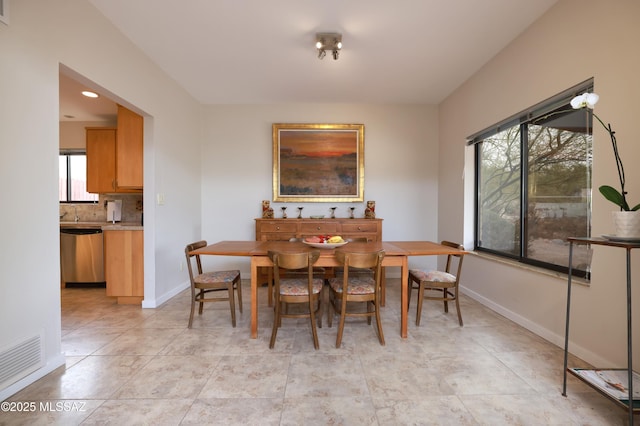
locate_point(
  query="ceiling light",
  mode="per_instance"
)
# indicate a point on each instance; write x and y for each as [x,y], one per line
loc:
[328,41]
[89,94]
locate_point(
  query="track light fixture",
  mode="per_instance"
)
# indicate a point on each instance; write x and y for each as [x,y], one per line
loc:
[328,41]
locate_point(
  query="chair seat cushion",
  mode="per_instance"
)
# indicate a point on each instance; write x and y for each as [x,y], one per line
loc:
[357,285]
[217,277]
[299,286]
[433,276]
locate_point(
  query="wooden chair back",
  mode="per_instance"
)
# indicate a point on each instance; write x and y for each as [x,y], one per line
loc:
[191,247]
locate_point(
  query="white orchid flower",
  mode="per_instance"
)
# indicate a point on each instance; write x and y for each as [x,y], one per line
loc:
[585,100]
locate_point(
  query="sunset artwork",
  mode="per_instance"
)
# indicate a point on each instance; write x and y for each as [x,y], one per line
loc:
[318,162]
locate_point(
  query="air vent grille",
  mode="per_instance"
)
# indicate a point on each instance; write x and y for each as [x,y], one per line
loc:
[20,360]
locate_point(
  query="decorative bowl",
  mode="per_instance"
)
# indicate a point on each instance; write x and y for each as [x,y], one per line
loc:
[326,245]
[318,216]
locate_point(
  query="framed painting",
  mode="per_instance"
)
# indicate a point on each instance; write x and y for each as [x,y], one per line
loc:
[318,162]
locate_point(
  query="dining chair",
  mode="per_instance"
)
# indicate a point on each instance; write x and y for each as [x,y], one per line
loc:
[360,271]
[298,290]
[204,283]
[318,272]
[438,285]
[352,287]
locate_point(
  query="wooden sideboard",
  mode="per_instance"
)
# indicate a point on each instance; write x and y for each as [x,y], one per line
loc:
[285,229]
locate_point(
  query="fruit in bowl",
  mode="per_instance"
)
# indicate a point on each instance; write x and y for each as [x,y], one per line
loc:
[325,239]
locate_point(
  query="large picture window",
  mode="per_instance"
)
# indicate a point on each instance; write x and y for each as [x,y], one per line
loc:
[533,185]
[72,182]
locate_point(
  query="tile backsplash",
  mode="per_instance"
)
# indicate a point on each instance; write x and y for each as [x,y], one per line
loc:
[97,212]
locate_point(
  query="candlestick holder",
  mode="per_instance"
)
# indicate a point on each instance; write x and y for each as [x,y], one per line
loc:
[333,212]
[300,212]
[284,212]
[351,210]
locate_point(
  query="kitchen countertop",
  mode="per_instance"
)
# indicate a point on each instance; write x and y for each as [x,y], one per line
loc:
[105,226]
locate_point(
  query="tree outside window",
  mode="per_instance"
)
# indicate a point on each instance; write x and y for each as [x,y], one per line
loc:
[534,189]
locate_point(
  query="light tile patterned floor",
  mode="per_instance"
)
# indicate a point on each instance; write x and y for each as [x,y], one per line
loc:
[127,365]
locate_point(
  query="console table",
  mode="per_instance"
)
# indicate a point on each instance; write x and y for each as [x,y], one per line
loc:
[594,377]
[285,229]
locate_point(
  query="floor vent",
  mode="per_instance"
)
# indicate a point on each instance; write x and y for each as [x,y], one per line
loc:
[20,360]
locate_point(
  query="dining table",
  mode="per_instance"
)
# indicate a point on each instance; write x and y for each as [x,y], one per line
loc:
[396,254]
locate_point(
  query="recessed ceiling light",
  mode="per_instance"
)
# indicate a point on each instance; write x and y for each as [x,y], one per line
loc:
[89,94]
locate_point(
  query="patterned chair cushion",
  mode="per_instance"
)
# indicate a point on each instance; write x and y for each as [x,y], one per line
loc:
[217,277]
[299,286]
[356,285]
[433,276]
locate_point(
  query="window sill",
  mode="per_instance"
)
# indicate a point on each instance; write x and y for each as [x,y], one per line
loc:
[530,268]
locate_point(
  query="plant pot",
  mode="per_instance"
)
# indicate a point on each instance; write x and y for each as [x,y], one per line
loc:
[627,224]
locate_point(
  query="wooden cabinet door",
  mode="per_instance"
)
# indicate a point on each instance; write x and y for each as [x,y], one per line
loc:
[101,160]
[124,265]
[129,149]
[319,227]
[362,228]
[276,230]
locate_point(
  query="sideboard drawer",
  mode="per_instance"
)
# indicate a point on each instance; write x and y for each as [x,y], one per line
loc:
[270,229]
[277,236]
[318,227]
[360,227]
[281,226]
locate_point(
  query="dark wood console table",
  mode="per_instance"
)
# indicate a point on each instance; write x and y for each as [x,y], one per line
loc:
[594,377]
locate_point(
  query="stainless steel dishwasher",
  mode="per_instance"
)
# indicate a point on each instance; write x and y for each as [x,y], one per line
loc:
[81,256]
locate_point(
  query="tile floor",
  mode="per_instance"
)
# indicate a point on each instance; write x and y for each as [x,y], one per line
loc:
[127,365]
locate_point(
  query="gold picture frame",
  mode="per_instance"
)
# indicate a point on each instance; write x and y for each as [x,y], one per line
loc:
[318,162]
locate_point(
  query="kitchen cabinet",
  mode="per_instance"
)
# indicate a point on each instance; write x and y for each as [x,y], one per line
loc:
[101,159]
[124,265]
[129,149]
[115,155]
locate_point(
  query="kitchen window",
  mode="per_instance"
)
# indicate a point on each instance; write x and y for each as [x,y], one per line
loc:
[72,183]
[533,184]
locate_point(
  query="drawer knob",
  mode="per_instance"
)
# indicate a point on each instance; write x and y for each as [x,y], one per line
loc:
[318,228]
[359,228]
[277,228]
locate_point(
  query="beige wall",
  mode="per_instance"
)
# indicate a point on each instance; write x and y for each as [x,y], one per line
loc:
[42,36]
[575,40]
[73,135]
[401,168]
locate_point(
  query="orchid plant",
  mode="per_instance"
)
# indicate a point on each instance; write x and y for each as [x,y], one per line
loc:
[619,198]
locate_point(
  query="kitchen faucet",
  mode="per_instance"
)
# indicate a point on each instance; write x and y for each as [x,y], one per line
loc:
[75,210]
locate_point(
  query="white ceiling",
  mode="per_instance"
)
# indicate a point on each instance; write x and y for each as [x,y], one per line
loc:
[76,107]
[257,51]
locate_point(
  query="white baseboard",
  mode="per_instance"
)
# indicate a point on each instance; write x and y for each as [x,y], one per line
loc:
[556,339]
[154,303]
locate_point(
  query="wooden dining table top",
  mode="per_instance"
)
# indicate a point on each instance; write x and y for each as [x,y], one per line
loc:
[391,248]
